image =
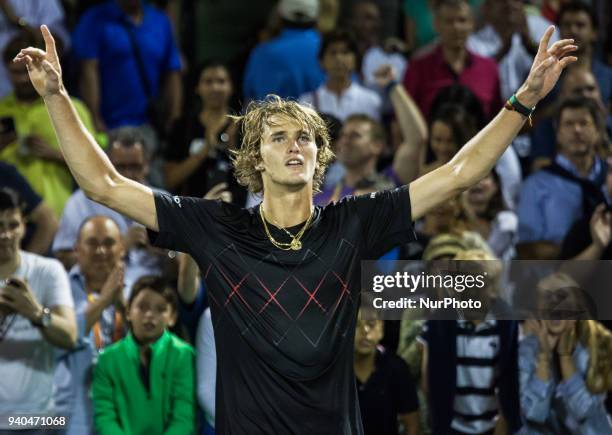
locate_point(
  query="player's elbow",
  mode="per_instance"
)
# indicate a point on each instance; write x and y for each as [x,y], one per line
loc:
[101,189]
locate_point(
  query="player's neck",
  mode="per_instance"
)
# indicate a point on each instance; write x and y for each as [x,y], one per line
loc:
[287,209]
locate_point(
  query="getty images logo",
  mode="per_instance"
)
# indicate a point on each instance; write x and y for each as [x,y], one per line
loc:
[178,201]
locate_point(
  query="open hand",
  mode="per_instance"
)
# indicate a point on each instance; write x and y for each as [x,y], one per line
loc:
[546,68]
[600,226]
[43,66]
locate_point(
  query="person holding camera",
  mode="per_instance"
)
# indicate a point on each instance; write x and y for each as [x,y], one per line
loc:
[36,314]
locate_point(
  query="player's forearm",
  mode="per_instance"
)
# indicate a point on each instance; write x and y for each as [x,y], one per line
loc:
[91,168]
[476,159]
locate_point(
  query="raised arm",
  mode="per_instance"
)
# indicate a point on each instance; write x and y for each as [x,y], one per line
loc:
[91,168]
[479,155]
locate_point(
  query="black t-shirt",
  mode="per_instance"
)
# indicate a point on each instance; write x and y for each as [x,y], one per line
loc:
[388,392]
[284,321]
[187,137]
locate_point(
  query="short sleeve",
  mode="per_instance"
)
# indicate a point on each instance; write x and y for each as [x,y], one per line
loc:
[386,219]
[172,59]
[55,279]
[11,178]
[85,36]
[405,391]
[184,222]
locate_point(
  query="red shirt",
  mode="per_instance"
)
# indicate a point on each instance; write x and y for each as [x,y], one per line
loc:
[429,74]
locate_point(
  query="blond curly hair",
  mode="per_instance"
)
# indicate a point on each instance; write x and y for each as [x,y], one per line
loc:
[258,113]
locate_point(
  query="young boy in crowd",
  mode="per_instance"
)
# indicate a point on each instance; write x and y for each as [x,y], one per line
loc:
[144,384]
[387,393]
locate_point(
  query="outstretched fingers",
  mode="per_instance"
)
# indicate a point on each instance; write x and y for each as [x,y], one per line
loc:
[546,39]
[560,46]
[34,53]
[49,43]
[567,60]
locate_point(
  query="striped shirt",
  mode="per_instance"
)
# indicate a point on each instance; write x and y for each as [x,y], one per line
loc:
[475,406]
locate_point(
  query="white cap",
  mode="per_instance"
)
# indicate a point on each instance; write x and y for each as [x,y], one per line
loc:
[299,11]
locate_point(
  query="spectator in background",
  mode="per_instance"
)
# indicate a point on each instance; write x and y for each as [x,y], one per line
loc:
[553,198]
[30,143]
[419,29]
[129,60]
[225,31]
[451,127]
[362,141]
[36,314]
[197,157]
[127,152]
[287,64]
[565,370]
[510,37]
[366,25]
[145,382]
[99,292]
[387,393]
[470,372]
[488,216]
[340,95]
[17,16]
[41,222]
[451,62]
[576,82]
[589,237]
[508,166]
[577,20]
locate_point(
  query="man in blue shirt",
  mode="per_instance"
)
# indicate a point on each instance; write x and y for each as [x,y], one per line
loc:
[553,198]
[287,65]
[578,21]
[109,39]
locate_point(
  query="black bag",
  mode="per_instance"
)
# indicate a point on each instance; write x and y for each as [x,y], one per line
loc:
[592,194]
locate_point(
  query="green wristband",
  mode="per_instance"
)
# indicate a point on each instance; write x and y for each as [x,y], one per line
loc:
[525,111]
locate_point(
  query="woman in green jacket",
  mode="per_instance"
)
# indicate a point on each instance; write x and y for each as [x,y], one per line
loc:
[145,383]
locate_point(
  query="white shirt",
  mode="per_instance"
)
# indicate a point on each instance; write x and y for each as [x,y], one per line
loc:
[206,357]
[376,57]
[356,99]
[27,359]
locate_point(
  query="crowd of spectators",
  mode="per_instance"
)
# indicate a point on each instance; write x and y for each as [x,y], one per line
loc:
[99,326]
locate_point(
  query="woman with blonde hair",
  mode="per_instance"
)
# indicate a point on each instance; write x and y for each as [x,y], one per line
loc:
[565,367]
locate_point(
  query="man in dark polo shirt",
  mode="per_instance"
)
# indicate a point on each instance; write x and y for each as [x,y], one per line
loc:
[283,277]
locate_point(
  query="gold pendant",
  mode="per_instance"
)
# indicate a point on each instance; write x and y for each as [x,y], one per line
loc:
[296,245]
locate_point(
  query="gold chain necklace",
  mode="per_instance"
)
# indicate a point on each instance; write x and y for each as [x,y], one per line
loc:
[295,243]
